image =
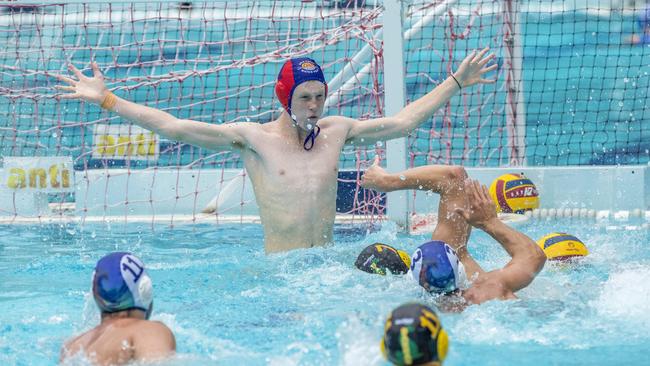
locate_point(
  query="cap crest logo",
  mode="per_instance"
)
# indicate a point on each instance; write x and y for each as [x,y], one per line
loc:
[308,66]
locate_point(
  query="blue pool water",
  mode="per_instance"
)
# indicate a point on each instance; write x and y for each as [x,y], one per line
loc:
[228,303]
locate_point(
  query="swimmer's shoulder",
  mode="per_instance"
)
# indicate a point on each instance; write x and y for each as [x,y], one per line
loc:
[153,338]
[75,344]
[329,120]
[151,328]
[333,123]
[69,348]
[254,132]
[249,127]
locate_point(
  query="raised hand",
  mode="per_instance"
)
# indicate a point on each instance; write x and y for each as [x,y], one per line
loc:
[482,209]
[473,67]
[90,89]
[375,177]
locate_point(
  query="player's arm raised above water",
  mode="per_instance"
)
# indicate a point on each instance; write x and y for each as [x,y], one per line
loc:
[527,258]
[470,72]
[210,136]
[436,178]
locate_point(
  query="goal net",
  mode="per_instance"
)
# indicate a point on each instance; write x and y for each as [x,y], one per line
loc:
[570,90]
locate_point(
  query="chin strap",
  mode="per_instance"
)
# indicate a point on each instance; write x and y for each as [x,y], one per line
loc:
[311,138]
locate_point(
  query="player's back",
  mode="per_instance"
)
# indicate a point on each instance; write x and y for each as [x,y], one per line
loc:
[112,342]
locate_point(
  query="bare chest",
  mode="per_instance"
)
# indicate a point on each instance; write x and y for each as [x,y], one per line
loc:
[283,165]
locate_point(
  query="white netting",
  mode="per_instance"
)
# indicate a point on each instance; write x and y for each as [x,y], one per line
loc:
[209,61]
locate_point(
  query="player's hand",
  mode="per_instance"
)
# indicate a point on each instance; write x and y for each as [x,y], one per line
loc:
[472,69]
[90,89]
[482,209]
[376,177]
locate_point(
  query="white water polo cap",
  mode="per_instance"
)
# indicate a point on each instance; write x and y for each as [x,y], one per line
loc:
[436,267]
[120,282]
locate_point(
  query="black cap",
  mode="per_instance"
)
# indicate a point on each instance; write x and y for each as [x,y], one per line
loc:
[413,335]
[378,258]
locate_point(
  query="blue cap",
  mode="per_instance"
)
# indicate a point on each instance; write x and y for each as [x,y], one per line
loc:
[436,267]
[120,282]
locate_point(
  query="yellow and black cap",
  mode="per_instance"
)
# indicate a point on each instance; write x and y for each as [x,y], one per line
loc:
[413,335]
[381,258]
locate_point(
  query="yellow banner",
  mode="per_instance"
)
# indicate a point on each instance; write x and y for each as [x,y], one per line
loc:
[38,174]
[122,142]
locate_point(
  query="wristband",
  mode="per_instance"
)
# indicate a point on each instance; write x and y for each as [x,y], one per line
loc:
[109,101]
[453,77]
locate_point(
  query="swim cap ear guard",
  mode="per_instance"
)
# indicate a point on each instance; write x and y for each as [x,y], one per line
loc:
[413,335]
[147,315]
[436,267]
[120,282]
[293,73]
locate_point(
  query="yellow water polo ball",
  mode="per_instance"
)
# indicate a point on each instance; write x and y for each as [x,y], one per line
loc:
[560,246]
[514,193]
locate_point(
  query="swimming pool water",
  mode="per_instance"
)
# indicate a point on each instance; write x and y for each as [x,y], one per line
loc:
[228,303]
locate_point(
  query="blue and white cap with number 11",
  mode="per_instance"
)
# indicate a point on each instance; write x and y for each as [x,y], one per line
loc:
[120,282]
